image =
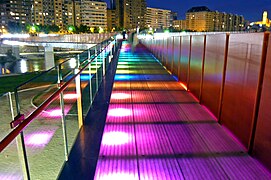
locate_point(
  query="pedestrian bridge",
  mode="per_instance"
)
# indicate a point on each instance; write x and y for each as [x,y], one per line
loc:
[180,107]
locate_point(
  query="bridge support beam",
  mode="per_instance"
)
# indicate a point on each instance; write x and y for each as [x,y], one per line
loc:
[49,57]
[16,51]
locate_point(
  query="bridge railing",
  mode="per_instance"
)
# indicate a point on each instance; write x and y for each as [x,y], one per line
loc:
[49,110]
[74,38]
[230,73]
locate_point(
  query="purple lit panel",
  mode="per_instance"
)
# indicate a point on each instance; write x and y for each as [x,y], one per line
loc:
[120,97]
[116,169]
[196,112]
[243,167]
[162,97]
[182,97]
[152,140]
[145,113]
[216,138]
[142,97]
[119,113]
[185,139]
[171,113]
[118,140]
[201,168]
[154,169]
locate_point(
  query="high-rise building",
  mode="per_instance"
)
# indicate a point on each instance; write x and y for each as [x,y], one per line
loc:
[179,25]
[18,11]
[203,19]
[200,19]
[130,13]
[94,14]
[158,18]
[73,13]
[111,19]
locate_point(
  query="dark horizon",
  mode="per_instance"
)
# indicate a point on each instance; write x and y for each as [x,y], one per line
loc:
[251,10]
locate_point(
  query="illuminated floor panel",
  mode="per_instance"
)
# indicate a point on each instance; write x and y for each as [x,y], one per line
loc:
[152,140]
[120,113]
[118,140]
[145,113]
[159,168]
[157,130]
[116,169]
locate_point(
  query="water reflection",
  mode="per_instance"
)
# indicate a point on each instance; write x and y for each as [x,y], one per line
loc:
[30,65]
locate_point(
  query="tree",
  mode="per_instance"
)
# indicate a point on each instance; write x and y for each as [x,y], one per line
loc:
[14,27]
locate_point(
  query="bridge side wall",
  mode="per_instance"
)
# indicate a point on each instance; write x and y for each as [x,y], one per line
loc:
[226,76]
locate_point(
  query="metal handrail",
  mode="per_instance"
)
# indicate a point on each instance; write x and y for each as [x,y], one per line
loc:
[17,130]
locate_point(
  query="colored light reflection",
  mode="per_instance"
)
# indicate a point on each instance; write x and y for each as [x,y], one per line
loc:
[119,112]
[115,138]
[39,139]
[70,96]
[10,176]
[117,176]
[57,112]
[120,96]
[85,77]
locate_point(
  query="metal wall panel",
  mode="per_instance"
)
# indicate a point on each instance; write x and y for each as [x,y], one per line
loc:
[184,61]
[169,50]
[176,56]
[241,81]
[213,71]
[262,144]
[197,50]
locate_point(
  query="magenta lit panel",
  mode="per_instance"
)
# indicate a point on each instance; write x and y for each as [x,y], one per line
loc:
[116,169]
[201,168]
[152,140]
[195,112]
[185,140]
[158,168]
[142,97]
[119,113]
[120,97]
[145,113]
[171,113]
[216,138]
[118,140]
[243,167]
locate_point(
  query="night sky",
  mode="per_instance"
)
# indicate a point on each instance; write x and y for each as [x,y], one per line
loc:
[251,9]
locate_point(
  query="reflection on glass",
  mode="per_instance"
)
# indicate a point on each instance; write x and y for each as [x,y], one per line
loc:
[72,63]
[23,66]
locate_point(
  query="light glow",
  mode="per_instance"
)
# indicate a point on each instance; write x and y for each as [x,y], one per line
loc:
[39,139]
[117,176]
[115,138]
[70,96]
[119,112]
[120,96]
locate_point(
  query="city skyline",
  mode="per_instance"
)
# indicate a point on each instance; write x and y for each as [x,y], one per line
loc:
[252,10]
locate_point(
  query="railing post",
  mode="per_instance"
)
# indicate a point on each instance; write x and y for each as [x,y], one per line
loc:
[104,61]
[21,145]
[90,77]
[63,120]
[79,95]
